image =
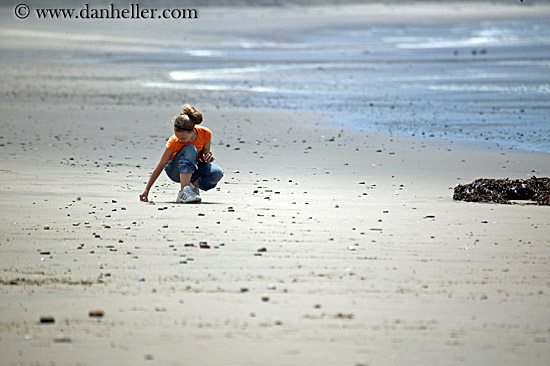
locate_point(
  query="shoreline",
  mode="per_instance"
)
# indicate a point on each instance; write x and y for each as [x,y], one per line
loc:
[451,92]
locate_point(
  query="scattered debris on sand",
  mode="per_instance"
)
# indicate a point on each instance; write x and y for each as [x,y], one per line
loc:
[505,191]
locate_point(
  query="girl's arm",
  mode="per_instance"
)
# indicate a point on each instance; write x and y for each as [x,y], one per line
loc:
[164,159]
[207,156]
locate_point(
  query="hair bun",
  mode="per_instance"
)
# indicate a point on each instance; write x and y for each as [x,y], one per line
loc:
[194,115]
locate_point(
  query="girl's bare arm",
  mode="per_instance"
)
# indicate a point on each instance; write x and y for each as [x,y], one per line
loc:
[164,159]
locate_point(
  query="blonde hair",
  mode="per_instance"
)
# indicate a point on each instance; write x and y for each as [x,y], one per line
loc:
[188,118]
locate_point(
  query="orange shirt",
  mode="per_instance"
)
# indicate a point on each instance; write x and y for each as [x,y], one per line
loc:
[204,135]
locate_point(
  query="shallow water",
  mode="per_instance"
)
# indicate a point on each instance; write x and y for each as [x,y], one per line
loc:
[483,81]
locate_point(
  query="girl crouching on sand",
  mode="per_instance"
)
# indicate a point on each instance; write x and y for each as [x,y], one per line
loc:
[187,158]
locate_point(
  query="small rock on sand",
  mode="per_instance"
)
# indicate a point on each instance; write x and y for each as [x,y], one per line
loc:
[97,313]
[47,319]
[61,338]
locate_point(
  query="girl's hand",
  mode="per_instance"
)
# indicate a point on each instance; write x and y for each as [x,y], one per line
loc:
[143,196]
[207,157]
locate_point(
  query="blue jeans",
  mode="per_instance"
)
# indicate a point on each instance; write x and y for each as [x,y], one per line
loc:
[207,175]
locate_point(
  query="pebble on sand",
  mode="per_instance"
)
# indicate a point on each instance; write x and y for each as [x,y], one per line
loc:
[97,313]
[47,319]
[61,338]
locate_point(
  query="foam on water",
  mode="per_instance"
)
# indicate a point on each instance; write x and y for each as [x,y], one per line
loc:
[542,89]
[483,81]
[217,87]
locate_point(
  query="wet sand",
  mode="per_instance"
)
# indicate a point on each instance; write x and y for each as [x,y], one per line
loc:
[327,245]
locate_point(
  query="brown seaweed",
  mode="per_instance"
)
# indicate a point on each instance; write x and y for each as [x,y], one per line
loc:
[504,191]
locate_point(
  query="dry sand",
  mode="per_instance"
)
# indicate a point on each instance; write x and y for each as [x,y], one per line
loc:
[328,246]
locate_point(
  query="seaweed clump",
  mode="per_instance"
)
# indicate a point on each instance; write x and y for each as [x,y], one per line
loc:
[504,191]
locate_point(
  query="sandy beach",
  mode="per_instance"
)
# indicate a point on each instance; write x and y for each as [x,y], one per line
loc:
[328,244]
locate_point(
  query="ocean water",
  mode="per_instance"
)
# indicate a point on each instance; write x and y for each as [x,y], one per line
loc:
[485,81]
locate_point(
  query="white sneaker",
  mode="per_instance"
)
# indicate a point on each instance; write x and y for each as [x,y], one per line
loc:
[196,190]
[187,195]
